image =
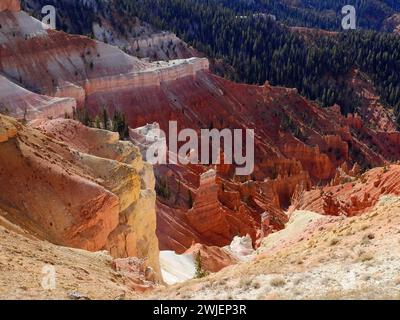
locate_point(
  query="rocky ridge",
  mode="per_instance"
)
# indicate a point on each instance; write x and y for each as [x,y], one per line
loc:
[107,22]
[79,66]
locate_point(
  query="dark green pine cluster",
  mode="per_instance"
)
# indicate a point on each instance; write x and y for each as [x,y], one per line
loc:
[262,48]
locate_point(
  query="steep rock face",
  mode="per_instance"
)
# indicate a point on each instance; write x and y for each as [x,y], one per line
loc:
[286,175]
[10,5]
[68,60]
[35,171]
[132,182]
[174,231]
[207,215]
[151,77]
[298,144]
[100,143]
[318,164]
[54,187]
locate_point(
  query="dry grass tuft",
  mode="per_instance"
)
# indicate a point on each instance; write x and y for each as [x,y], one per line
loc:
[278,281]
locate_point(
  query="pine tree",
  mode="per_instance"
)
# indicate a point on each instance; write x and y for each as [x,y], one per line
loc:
[190,199]
[199,271]
[106,118]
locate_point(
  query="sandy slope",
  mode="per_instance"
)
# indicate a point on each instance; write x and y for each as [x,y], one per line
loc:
[315,257]
[79,274]
[335,258]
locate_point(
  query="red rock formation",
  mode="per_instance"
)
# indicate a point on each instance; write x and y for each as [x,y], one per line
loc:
[94,195]
[49,193]
[10,5]
[318,164]
[79,66]
[354,197]
[298,144]
[213,259]
[207,215]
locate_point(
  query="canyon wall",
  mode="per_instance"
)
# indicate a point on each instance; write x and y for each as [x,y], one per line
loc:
[297,143]
[354,194]
[154,76]
[78,187]
[75,66]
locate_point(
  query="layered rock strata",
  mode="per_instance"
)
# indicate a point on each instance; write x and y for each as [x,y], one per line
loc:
[352,196]
[78,187]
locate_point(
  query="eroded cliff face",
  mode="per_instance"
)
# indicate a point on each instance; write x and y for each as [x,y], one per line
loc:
[62,65]
[207,215]
[93,198]
[298,144]
[353,195]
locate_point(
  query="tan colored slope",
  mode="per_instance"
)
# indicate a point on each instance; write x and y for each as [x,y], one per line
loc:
[22,103]
[78,274]
[342,258]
